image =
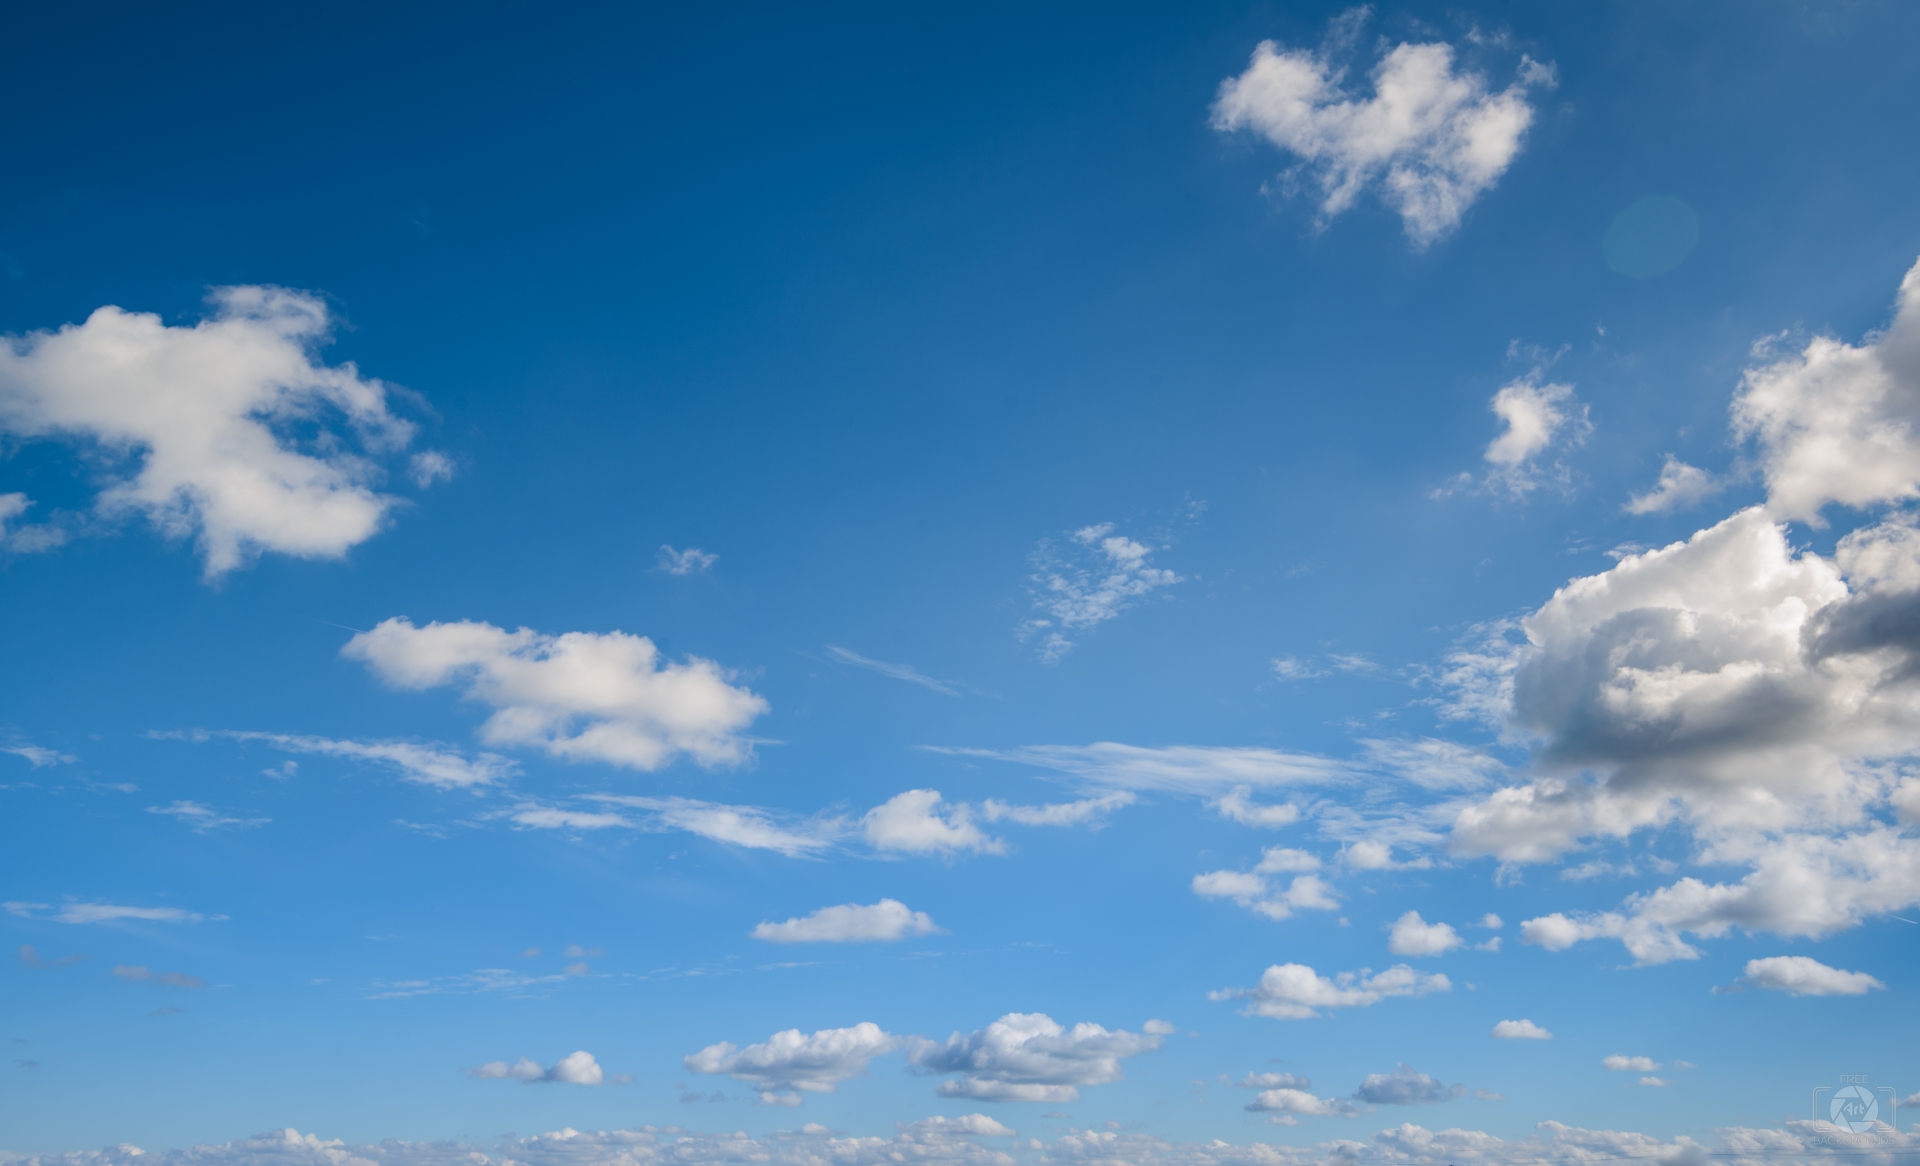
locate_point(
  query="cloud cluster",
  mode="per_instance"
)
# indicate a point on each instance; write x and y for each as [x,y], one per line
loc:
[581,696]
[789,1063]
[576,1068]
[1027,1056]
[209,430]
[889,919]
[1431,139]
[1258,890]
[1093,579]
[1297,992]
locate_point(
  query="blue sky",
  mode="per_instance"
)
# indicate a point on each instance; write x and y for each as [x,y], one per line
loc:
[1191,584]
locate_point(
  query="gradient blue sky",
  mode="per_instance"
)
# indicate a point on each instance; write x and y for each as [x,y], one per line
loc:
[927,325]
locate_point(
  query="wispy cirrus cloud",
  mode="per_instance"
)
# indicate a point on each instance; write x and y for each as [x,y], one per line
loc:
[1091,578]
[904,672]
[203,818]
[440,766]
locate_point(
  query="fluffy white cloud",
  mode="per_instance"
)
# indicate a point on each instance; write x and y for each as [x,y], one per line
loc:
[1620,1063]
[1094,578]
[205,420]
[1258,891]
[1192,770]
[1520,1030]
[1431,139]
[439,767]
[1297,992]
[1404,1086]
[1026,1056]
[1237,805]
[692,561]
[25,539]
[749,826]
[913,822]
[1092,811]
[1289,1101]
[1835,422]
[580,696]
[791,1062]
[1412,935]
[1679,487]
[204,818]
[850,923]
[1804,976]
[576,1068]
[1534,416]
[972,1125]
[904,672]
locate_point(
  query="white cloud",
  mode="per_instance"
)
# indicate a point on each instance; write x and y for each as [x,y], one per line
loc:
[105,913]
[429,466]
[1296,992]
[1404,1086]
[1192,770]
[1804,976]
[913,822]
[1520,1030]
[205,418]
[1491,922]
[972,1125]
[1080,588]
[1290,668]
[1272,1081]
[1431,139]
[579,696]
[1297,1102]
[897,671]
[538,817]
[576,1068]
[749,826]
[692,561]
[204,818]
[888,919]
[1835,423]
[1535,418]
[1026,1056]
[25,539]
[1259,892]
[37,756]
[1680,486]
[791,1062]
[1655,1082]
[1237,805]
[1373,854]
[1620,1063]
[1092,811]
[437,766]
[1433,764]
[140,973]
[1412,935]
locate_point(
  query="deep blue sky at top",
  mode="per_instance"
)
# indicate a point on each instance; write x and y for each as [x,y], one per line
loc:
[867,300]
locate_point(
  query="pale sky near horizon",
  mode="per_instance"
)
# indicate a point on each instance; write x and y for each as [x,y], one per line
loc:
[1205,585]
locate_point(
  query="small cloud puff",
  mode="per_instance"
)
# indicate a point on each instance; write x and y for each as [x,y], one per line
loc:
[1520,1030]
[889,919]
[576,1068]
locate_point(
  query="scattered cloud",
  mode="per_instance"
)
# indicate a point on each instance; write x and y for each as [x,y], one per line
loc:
[429,466]
[889,919]
[1374,854]
[1412,935]
[30,957]
[206,421]
[1192,770]
[1297,992]
[1431,139]
[789,1063]
[204,818]
[1296,1102]
[1092,811]
[25,540]
[898,671]
[105,913]
[1237,805]
[914,823]
[534,816]
[1291,668]
[1804,976]
[438,766]
[1655,1082]
[1026,1056]
[576,1068]
[140,973]
[692,561]
[1620,1063]
[1090,579]
[1520,1030]
[939,1128]
[1258,890]
[1680,486]
[37,756]
[749,826]
[1535,418]
[1405,1087]
[581,696]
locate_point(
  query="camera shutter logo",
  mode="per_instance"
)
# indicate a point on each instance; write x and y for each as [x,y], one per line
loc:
[1855,1107]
